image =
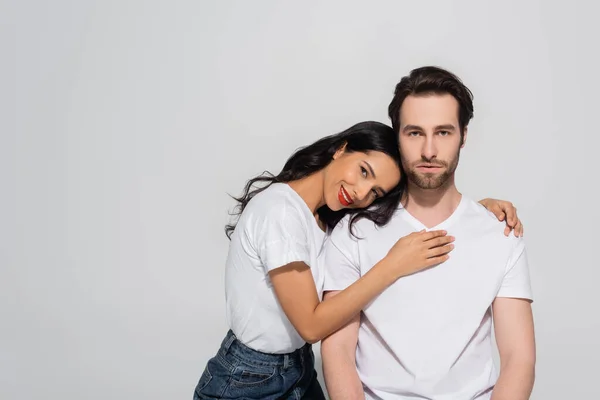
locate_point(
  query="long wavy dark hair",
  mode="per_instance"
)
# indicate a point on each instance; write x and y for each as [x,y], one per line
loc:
[362,137]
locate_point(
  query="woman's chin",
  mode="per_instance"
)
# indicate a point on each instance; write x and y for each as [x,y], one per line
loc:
[335,207]
[338,207]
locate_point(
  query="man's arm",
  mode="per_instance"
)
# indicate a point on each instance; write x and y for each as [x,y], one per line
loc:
[513,322]
[338,352]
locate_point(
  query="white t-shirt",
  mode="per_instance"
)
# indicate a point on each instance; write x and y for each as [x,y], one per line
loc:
[275,229]
[428,336]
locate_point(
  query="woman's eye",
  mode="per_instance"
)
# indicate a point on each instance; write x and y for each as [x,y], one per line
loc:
[363,171]
[375,194]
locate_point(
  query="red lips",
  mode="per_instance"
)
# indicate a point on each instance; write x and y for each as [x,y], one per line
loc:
[344,197]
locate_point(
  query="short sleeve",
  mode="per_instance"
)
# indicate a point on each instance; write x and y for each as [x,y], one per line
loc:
[516,282]
[282,237]
[340,259]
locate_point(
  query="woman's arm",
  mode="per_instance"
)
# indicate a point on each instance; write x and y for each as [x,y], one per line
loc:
[295,288]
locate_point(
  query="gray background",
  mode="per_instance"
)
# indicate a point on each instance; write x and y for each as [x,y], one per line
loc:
[125,124]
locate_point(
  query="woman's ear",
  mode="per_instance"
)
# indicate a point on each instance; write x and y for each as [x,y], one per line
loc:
[340,151]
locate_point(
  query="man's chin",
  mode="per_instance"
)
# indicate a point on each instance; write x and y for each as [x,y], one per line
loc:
[427,181]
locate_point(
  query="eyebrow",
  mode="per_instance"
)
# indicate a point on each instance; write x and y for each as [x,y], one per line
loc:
[374,176]
[412,128]
[448,127]
[370,169]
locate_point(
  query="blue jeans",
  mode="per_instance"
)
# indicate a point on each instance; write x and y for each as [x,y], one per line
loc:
[239,372]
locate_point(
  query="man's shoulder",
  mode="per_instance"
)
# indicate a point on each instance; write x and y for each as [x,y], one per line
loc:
[362,227]
[479,215]
[482,224]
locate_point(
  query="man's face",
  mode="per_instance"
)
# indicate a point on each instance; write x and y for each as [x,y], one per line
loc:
[430,140]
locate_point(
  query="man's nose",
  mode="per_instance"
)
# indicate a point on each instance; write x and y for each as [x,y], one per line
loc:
[429,149]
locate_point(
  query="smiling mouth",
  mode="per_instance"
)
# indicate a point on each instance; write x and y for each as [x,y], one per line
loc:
[344,197]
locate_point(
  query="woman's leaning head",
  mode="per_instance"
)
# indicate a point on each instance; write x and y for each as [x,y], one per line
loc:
[361,174]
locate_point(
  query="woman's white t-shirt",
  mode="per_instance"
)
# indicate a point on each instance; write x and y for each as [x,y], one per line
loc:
[275,229]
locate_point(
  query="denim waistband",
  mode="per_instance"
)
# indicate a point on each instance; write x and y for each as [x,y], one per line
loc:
[232,345]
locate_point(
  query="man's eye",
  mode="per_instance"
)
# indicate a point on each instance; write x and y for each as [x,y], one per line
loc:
[443,133]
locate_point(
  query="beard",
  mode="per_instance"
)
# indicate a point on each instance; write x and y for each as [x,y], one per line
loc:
[432,180]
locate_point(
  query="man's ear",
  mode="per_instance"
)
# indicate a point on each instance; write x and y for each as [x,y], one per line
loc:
[340,151]
[463,139]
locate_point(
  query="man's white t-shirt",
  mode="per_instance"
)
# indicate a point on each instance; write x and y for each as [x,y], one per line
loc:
[275,229]
[428,336]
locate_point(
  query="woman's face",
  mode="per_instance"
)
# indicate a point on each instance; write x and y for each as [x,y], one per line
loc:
[356,179]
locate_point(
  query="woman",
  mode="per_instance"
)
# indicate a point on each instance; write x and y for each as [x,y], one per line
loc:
[273,279]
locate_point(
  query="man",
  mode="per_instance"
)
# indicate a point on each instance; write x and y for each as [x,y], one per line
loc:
[429,335]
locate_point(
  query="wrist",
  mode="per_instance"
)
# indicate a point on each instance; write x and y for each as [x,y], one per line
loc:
[389,270]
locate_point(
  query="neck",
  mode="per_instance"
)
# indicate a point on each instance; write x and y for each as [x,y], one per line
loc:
[432,206]
[310,188]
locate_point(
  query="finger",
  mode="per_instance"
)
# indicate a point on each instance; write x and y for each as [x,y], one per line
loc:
[432,234]
[511,215]
[498,211]
[431,262]
[507,230]
[439,241]
[439,251]
[519,229]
